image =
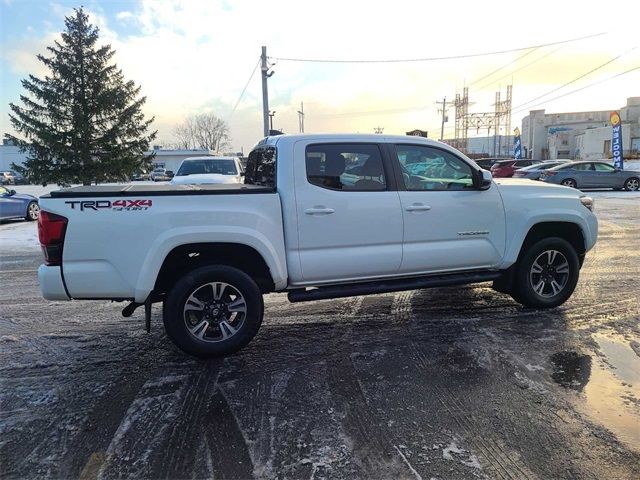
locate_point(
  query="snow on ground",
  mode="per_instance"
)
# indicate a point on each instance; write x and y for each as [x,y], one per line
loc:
[18,236]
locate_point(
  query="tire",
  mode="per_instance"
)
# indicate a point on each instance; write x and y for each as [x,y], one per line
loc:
[546,266]
[569,182]
[632,184]
[197,317]
[33,212]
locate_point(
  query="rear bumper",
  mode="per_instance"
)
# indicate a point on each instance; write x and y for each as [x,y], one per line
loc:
[51,284]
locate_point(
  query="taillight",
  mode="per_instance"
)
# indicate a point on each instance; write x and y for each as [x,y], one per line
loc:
[51,231]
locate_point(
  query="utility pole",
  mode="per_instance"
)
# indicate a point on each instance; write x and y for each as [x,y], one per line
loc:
[301,117]
[265,93]
[445,117]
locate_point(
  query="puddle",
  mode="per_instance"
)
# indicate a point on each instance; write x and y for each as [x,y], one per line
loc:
[571,369]
[611,393]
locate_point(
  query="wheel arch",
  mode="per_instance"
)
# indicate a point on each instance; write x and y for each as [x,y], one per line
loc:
[185,258]
[569,231]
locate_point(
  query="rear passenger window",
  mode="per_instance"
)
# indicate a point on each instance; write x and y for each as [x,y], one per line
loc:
[354,167]
[261,167]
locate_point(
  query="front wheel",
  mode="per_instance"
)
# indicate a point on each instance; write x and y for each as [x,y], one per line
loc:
[33,211]
[547,274]
[632,184]
[213,311]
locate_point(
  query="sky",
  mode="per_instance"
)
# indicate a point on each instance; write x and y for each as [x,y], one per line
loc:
[193,56]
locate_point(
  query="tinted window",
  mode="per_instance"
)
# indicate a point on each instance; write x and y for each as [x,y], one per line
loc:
[428,168]
[261,167]
[219,166]
[603,167]
[523,163]
[356,167]
[583,166]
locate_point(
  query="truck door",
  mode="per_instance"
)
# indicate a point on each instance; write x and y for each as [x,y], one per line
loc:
[348,212]
[448,224]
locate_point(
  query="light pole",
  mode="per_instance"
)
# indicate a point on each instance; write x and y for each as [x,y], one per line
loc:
[271,115]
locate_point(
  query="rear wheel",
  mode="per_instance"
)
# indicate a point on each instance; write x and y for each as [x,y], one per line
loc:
[213,311]
[33,211]
[569,182]
[632,184]
[547,274]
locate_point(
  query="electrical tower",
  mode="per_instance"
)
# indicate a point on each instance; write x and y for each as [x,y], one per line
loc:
[499,121]
[462,120]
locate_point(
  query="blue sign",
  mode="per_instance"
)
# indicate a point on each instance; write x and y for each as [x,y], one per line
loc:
[517,145]
[616,141]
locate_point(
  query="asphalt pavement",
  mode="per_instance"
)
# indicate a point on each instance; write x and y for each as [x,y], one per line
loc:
[443,383]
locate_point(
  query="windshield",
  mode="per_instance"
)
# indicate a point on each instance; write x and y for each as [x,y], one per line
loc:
[214,165]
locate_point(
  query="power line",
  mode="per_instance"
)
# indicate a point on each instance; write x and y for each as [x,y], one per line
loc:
[367,113]
[522,67]
[575,79]
[579,89]
[504,66]
[431,59]
[243,91]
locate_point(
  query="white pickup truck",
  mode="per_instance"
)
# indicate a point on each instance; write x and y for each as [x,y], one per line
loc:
[319,216]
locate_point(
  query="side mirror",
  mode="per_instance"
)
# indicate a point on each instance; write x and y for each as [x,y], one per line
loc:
[484,180]
[242,174]
[12,192]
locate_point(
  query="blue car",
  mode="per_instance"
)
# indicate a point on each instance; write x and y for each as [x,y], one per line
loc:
[18,205]
[592,175]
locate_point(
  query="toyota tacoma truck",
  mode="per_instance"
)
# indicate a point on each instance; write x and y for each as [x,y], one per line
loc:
[318,216]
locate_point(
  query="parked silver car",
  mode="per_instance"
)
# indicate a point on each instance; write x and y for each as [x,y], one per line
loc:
[533,172]
[592,175]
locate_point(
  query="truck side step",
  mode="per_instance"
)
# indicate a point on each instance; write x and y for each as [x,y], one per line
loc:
[385,286]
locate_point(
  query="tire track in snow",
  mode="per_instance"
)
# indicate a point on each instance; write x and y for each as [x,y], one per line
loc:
[497,460]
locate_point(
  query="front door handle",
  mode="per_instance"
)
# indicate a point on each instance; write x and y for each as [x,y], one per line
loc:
[319,211]
[418,207]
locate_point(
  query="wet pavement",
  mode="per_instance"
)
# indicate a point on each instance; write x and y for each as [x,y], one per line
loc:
[443,383]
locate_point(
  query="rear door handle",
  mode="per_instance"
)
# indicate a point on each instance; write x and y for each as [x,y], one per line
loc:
[418,207]
[319,211]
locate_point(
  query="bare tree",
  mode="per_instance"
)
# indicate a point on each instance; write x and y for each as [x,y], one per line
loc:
[202,130]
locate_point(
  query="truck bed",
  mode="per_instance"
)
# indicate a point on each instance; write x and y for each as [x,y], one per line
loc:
[129,190]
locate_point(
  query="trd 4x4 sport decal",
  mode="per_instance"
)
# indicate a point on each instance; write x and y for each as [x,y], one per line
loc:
[117,205]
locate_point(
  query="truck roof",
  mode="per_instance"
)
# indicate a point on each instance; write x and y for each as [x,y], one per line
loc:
[372,137]
[356,137]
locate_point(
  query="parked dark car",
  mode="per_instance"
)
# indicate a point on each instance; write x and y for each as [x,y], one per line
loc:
[533,172]
[592,175]
[505,168]
[18,178]
[18,205]
[139,176]
[487,163]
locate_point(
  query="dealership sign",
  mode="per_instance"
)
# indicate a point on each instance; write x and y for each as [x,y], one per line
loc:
[616,141]
[517,145]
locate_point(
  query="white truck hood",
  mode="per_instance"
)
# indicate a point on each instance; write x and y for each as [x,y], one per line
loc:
[526,187]
[204,178]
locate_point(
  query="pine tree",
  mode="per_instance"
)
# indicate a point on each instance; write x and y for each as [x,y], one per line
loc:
[83,122]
